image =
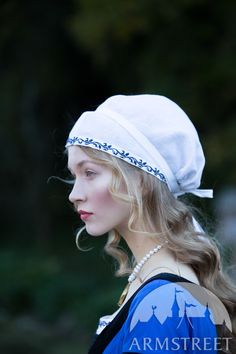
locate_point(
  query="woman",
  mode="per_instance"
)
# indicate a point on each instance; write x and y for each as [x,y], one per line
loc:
[131,159]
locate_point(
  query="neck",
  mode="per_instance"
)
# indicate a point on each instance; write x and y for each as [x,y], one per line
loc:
[140,244]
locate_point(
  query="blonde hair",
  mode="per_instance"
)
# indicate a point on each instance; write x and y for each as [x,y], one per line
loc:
[162,215]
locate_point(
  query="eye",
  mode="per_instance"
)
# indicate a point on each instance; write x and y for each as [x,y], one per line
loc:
[89,173]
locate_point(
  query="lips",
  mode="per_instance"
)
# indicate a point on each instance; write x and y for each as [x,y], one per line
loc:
[84,215]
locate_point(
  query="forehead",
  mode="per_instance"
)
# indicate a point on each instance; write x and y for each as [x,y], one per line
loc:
[76,155]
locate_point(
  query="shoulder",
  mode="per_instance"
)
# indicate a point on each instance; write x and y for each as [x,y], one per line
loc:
[166,291]
[162,293]
[163,310]
[164,285]
[147,289]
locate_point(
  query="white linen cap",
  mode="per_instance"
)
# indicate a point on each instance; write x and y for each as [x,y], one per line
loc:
[150,132]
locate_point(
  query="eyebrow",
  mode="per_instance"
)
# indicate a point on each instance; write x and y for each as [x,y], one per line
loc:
[81,163]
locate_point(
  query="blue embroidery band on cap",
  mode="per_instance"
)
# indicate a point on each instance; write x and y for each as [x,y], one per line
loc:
[121,154]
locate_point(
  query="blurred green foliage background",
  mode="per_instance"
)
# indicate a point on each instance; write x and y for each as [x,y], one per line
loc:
[58,59]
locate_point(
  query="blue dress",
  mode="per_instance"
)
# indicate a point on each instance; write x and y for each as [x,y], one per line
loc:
[167,314]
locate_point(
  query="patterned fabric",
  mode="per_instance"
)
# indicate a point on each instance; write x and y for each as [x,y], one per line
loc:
[118,153]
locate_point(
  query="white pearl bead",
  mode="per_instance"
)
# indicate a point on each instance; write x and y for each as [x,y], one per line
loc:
[137,268]
[131,278]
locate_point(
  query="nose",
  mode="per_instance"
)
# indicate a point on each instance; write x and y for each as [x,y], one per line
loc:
[77,193]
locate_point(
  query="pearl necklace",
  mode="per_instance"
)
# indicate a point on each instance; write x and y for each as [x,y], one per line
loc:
[137,269]
[140,264]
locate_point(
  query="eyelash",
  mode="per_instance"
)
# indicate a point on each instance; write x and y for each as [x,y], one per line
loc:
[89,173]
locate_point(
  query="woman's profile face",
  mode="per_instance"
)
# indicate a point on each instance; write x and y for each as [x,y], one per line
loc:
[90,194]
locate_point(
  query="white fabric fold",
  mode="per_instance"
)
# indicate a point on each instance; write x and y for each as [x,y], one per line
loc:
[149,148]
[197,226]
[202,193]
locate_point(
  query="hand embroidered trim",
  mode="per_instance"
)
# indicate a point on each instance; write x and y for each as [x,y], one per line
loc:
[121,154]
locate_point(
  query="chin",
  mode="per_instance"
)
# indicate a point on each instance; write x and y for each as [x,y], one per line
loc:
[96,232]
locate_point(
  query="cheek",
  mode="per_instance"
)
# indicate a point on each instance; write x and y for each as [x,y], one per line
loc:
[103,199]
[104,203]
